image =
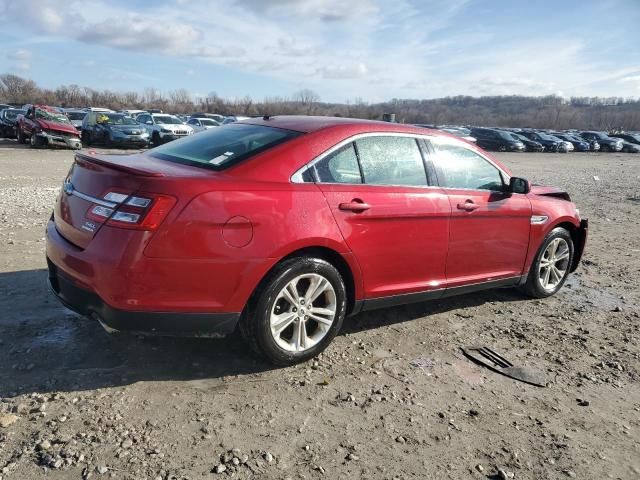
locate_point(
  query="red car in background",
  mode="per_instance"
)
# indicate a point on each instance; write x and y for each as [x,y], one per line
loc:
[282,226]
[44,126]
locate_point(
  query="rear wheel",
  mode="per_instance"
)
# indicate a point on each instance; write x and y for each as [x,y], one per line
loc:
[551,266]
[297,312]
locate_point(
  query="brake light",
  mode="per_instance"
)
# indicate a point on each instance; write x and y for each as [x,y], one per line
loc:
[140,212]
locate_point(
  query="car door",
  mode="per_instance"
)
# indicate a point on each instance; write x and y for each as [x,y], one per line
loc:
[489,228]
[395,222]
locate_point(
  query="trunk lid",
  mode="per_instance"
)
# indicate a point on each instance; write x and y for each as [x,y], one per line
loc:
[85,186]
[93,176]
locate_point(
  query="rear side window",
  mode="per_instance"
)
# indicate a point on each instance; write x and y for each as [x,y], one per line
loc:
[218,148]
[388,160]
[459,167]
[340,166]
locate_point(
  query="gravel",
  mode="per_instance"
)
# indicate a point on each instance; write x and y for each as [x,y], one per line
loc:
[392,397]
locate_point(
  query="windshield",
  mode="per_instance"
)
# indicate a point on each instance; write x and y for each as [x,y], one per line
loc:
[51,116]
[505,135]
[12,114]
[218,148]
[76,115]
[116,119]
[546,136]
[518,137]
[167,119]
[209,123]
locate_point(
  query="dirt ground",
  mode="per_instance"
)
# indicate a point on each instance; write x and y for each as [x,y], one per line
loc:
[76,402]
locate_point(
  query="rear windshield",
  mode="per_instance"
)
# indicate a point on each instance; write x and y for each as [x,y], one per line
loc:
[219,148]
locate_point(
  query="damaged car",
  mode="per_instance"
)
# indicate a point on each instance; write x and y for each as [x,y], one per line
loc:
[44,126]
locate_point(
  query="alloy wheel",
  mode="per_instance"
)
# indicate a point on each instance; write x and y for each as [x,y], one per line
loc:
[303,312]
[554,264]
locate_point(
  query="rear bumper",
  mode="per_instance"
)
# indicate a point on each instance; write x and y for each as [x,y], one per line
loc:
[89,304]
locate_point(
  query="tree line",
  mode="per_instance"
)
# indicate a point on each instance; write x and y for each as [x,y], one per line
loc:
[601,113]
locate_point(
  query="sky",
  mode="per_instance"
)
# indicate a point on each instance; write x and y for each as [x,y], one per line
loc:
[343,50]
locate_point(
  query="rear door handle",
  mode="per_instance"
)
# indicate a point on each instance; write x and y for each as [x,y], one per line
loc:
[468,206]
[356,206]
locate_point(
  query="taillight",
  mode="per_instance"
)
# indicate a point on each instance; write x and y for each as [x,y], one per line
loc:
[142,212]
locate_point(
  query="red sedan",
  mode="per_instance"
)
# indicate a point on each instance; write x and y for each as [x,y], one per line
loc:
[284,226]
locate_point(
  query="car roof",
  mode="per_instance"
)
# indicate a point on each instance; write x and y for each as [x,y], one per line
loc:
[308,124]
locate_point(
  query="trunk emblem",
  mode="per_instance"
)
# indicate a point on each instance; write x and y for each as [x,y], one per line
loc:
[67,187]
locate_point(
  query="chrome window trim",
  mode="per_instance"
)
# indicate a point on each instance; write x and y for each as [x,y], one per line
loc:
[297,176]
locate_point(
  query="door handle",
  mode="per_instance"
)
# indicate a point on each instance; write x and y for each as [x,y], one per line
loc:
[468,206]
[356,206]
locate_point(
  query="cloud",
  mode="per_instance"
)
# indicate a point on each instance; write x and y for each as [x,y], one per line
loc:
[335,72]
[324,10]
[20,55]
[137,33]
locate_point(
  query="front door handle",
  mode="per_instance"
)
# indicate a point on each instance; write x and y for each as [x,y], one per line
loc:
[356,206]
[468,206]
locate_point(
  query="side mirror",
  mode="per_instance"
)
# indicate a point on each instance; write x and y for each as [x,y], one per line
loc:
[519,185]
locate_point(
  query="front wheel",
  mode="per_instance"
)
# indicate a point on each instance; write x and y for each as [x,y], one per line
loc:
[297,312]
[35,141]
[551,265]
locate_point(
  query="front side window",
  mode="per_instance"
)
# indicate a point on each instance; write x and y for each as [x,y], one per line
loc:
[459,167]
[340,166]
[389,160]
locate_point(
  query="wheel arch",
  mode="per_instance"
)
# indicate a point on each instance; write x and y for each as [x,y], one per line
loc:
[346,267]
[578,237]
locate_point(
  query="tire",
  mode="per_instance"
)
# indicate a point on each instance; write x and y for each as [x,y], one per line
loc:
[35,141]
[535,286]
[85,137]
[270,301]
[156,139]
[21,138]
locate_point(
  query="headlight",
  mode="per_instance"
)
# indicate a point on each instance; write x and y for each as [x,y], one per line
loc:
[144,134]
[164,130]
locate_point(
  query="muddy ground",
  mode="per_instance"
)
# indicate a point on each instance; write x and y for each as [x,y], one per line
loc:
[76,402]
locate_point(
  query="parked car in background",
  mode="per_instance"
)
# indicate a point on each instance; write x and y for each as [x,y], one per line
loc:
[629,147]
[44,126]
[530,145]
[200,124]
[628,137]
[607,144]
[461,132]
[113,129]
[8,120]
[132,113]
[579,144]
[214,116]
[233,119]
[99,109]
[281,227]
[551,144]
[75,117]
[497,140]
[163,127]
